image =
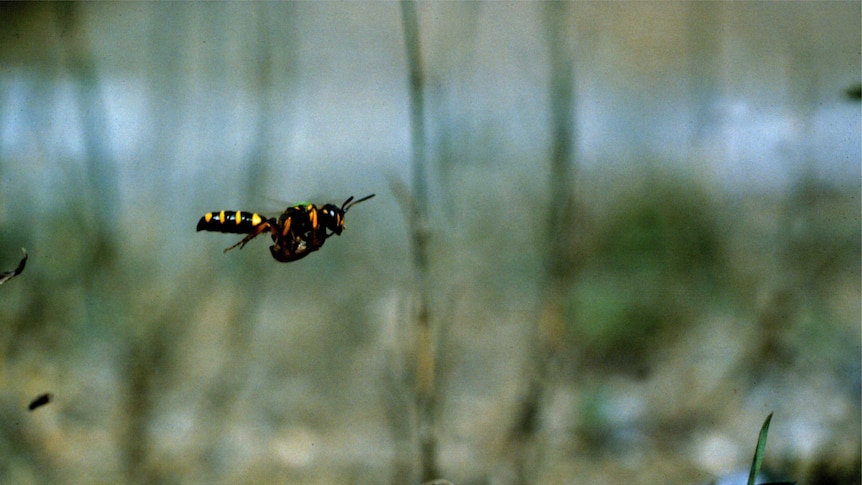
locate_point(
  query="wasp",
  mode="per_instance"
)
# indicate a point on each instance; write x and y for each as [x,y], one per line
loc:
[299,231]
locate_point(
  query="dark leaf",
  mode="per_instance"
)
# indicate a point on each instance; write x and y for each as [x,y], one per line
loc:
[8,275]
[40,401]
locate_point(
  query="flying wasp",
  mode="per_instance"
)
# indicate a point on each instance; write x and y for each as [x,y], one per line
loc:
[299,231]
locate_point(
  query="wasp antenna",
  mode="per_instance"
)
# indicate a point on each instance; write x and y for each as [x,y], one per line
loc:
[348,205]
[346,202]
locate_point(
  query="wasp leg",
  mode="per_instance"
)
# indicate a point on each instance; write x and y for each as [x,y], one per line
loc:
[263,227]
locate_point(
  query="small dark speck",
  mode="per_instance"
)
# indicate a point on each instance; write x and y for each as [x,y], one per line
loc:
[40,401]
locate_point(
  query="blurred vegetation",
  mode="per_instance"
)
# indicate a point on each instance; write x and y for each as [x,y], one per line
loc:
[300,349]
[655,261]
[689,308]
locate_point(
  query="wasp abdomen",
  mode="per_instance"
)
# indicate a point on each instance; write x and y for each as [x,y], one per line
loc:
[234,222]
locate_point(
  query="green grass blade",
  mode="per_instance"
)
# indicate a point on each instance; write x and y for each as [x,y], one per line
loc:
[758,452]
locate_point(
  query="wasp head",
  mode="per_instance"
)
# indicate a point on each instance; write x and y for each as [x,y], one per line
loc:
[332,216]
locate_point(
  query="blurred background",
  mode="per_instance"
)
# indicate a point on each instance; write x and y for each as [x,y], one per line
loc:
[644,237]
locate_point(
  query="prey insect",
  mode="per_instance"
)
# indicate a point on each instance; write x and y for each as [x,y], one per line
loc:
[299,231]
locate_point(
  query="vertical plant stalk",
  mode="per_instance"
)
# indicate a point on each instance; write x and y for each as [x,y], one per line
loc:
[234,374]
[103,199]
[558,261]
[101,172]
[562,87]
[425,357]
[559,232]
